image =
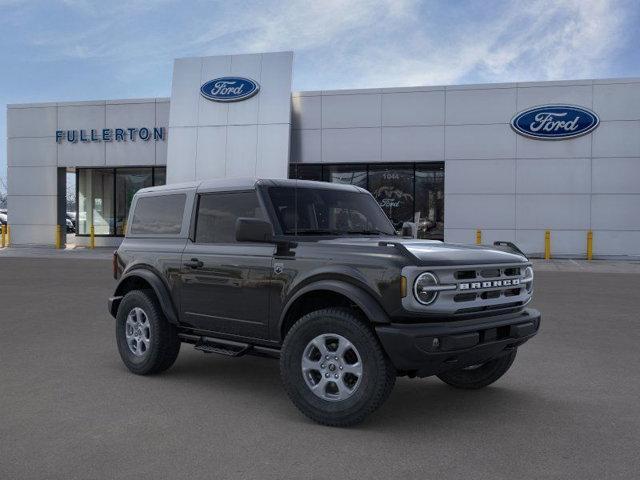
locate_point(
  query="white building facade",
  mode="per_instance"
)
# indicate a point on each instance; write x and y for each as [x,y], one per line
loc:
[449,158]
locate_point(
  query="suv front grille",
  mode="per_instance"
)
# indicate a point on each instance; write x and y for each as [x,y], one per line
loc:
[473,289]
[486,297]
[492,273]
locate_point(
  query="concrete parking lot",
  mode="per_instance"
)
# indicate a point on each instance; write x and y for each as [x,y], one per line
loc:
[569,408]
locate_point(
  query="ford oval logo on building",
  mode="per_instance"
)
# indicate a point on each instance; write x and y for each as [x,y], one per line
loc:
[555,122]
[229,89]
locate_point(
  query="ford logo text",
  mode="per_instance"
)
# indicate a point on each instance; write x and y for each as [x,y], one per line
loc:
[229,89]
[555,122]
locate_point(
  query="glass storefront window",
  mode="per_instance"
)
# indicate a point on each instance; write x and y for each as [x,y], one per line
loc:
[307,172]
[160,176]
[429,210]
[95,201]
[128,182]
[105,194]
[412,192]
[393,188]
[349,174]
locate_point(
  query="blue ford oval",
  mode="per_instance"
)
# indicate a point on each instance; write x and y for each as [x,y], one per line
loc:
[229,89]
[555,122]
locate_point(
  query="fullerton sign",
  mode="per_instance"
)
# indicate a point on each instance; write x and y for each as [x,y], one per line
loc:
[110,135]
[555,122]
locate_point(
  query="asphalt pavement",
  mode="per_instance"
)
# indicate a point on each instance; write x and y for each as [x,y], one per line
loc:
[69,409]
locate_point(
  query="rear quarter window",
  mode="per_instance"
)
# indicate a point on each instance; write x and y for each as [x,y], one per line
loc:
[158,215]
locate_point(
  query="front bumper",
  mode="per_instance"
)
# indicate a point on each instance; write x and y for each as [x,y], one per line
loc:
[431,348]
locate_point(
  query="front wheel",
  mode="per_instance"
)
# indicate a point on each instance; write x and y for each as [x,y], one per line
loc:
[334,369]
[479,376]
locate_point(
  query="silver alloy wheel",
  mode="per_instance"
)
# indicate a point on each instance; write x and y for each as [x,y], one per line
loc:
[138,331]
[332,367]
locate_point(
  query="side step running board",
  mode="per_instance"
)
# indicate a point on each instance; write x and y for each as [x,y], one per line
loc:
[223,347]
[227,347]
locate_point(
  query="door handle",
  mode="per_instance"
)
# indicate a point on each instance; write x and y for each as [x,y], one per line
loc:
[194,263]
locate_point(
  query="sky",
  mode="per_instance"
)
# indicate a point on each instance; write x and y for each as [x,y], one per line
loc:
[87,50]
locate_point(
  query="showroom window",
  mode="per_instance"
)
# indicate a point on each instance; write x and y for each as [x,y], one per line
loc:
[306,172]
[128,182]
[392,186]
[95,201]
[348,174]
[407,192]
[104,196]
[429,209]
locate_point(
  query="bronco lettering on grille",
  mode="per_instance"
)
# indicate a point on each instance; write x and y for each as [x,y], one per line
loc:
[488,284]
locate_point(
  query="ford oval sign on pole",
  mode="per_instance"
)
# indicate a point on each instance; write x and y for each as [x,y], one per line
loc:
[555,122]
[229,89]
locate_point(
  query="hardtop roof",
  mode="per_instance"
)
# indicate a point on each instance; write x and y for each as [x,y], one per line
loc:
[243,183]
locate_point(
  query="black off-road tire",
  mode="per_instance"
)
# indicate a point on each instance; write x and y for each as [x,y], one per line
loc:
[164,344]
[377,379]
[481,376]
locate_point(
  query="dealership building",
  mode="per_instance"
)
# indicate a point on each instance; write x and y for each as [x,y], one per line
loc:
[512,160]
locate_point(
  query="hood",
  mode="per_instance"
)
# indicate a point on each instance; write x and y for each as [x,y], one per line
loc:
[436,253]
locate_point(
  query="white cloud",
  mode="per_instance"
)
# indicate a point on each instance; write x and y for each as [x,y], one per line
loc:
[338,44]
[361,43]
[556,39]
[543,40]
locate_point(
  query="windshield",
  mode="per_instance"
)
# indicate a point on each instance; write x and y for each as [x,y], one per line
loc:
[324,211]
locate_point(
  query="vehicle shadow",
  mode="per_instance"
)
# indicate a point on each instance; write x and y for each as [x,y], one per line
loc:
[430,402]
[413,404]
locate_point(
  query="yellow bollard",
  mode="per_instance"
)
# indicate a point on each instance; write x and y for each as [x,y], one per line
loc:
[4,235]
[478,237]
[8,234]
[92,237]
[58,237]
[547,244]
[589,245]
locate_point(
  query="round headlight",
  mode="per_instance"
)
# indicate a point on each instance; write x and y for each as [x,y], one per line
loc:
[423,288]
[528,278]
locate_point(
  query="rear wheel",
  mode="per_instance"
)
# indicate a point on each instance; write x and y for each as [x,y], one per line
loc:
[147,342]
[334,369]
[479,376]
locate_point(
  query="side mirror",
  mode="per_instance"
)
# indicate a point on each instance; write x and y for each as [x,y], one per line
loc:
[253,230]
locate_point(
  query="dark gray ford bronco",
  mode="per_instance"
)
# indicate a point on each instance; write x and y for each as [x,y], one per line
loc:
[314,274]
